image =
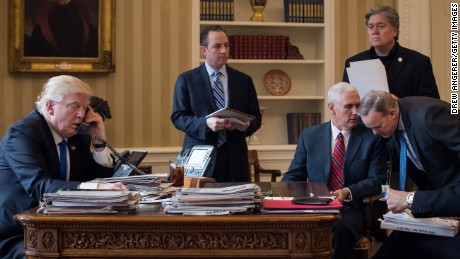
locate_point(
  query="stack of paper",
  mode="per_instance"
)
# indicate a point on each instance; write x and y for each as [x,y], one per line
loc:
[144,182]
[283,205]
[89,201]
[430,226]
[214,201]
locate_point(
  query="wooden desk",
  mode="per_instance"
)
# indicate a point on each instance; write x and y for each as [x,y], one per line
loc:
[156,235]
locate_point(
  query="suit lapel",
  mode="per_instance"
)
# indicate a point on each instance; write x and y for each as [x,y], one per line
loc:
[51,148]
[396,65]
[324,146]
[353,146]
[207,87]
[410,133]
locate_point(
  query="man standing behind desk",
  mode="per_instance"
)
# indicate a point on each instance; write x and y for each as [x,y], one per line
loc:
[426,137]
[409,73]
[207,88]
[30,153]
[346,156]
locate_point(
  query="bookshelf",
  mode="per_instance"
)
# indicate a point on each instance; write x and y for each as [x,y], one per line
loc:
[310,77]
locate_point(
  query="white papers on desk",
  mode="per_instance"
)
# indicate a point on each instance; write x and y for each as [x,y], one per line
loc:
[90,201]
[214,201]
[367,75]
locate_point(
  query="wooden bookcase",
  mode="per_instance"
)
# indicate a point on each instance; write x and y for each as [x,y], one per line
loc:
[310,77]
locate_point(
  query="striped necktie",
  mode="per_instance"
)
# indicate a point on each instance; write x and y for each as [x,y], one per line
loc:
[63,159]
[218,91]
[338,159]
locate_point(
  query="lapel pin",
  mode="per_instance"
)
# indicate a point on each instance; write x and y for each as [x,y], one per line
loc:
[400,59]
[73,148]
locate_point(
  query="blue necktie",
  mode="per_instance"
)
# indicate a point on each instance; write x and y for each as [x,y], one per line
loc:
[402,162]
[63,159]
[218,91]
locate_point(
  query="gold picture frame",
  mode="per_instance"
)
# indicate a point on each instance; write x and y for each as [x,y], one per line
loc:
[23,31]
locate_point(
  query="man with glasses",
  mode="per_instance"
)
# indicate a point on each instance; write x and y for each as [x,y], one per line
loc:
[42,153]
[409,73]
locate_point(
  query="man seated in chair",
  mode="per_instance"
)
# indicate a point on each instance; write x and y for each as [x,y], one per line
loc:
[346,155]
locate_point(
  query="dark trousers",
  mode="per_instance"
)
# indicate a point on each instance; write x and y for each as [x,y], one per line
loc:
[347,231]
[12,247]
[412,245]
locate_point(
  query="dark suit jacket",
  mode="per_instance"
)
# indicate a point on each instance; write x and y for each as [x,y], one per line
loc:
[29,167]
[365,160]
[410,74]
[193,100]
[434,135]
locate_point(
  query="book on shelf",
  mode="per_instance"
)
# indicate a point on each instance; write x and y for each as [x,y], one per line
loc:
[298,121]
[429,226]
[216,10]
[258,46]
[304,11]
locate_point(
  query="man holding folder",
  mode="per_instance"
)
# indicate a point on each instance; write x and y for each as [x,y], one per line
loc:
[208,88]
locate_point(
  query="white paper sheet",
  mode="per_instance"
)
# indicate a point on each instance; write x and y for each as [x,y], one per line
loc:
[367,75]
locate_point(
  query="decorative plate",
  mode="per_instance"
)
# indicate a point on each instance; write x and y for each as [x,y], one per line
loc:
[277,82]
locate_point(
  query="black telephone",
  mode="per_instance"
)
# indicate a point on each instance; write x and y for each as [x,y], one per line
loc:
[198,161]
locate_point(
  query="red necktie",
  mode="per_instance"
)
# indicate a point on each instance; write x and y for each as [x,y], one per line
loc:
[338,157]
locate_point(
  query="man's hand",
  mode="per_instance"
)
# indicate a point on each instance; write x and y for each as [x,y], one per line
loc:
[112,186]
[396,201]
[341,194]
[95,119]
[216,124]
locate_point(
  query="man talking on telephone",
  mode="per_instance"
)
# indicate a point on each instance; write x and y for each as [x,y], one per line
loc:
[43,153]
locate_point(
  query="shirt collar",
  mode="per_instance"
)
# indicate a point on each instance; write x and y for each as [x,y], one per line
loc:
[211,70]
[56,137]
[401,123]
[336,131]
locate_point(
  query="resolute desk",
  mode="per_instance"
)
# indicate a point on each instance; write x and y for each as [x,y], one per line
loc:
[157,235]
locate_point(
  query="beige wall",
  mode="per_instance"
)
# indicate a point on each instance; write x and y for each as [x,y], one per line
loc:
[152,48]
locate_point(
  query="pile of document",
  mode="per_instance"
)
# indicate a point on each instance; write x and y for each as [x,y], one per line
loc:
[89,202]
[144,182]
[214,201]
[430,226]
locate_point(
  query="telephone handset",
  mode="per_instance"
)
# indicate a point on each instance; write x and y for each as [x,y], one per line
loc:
[84,127]
[124,167]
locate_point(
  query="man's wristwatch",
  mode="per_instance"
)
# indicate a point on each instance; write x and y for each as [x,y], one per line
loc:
[410,199]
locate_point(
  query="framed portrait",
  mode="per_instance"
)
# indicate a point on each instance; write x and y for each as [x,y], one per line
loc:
[61,35]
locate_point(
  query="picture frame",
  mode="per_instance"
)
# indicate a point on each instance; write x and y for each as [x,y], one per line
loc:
[38,46]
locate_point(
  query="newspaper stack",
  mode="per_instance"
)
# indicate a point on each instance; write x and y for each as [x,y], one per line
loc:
[430,226]
[214,201]
[135,183]
[89,202]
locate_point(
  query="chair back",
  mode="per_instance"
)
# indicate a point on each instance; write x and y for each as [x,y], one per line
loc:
[255,169]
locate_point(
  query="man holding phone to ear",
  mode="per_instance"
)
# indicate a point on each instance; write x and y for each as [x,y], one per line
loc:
[43,153]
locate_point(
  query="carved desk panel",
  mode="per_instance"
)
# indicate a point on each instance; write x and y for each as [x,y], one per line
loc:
[154,234]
